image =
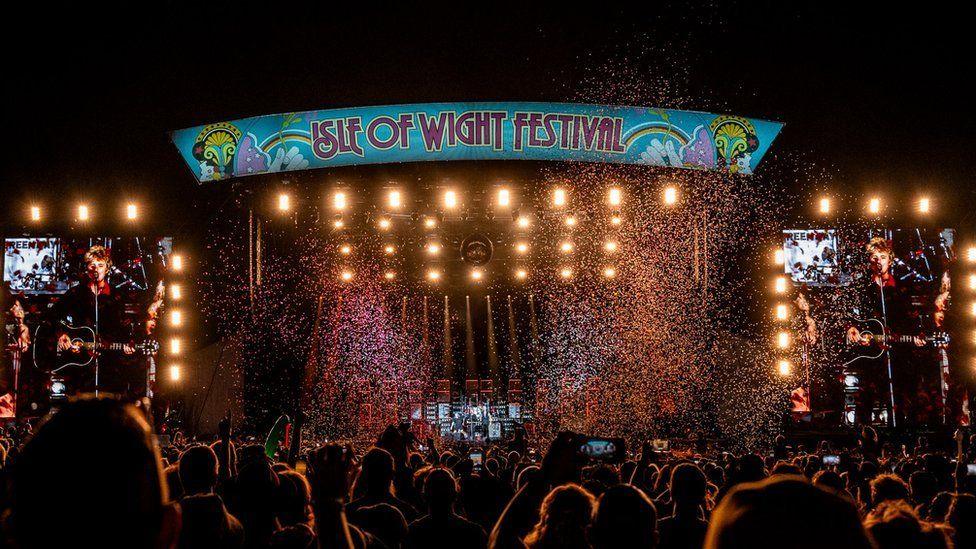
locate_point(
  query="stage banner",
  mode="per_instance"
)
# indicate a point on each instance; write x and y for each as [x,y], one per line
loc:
[475,131]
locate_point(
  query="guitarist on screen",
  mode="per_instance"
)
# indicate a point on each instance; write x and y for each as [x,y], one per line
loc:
[94,303]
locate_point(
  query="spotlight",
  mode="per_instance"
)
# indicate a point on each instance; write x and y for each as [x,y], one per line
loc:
[389,275]
[175,317]
[923,205]
[566,272]
[616,220]
[609,272]
[476,275]
[174,373]
[339,201]
[338,223]
[523,222]
[874,205]
[175,292]
[522,248]
[389,249]
[384,224]
[503,197]
[430,222]
[345,249]
[177,262]
[433,248]
[610,246]
[670,196]
[393,199]
[521,274]
[131,211]
[346,275]
[784,367]
[433,275]
[971,254]
[825,205]
[82,212]
[284,202]
[778,256]
[571,221]
[780,285]
[35,213]
[450,199]
[783,340]
[566,247]
[615,197]
[174,346]
[559,198]
[782,312]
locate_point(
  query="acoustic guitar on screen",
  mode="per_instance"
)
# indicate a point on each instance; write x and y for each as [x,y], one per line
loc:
[85,347]
[875,339]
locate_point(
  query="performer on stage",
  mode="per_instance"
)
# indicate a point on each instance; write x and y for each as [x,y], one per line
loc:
[95,304]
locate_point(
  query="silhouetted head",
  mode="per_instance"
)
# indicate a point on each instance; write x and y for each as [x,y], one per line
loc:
[624,517]
[563,519]
[687,485]
[440,490]
[377,473]
[198,470]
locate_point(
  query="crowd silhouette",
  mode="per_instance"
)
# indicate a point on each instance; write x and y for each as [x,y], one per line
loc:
[93,475]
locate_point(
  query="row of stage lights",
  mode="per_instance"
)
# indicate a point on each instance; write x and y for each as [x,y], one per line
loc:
[174,348]
[874,206]
[478,275]
[85,213]
[782,312]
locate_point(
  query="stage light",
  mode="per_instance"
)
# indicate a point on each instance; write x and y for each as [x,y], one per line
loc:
[972,282]
[175,317]
[784,367]
[521,274]
[924,205]
[825,205]
[566,272]
[339,201]
[175,292]
[610,246]
[477,275]
[450,199]
[615,197]
[389,275]
[780,285]
[559,198]
[174,346]
[338,223]
[670,196]
[522,248]
[284,202]
[503,197]
[82,212]
[609,272]
[783,340]
[389,249]
[778,256]
[433,248]
[430,222]
[393,199]
[177,262]
[174,373]
[571,221]
[616,220]
[874,205]
[345,249]
[566,247]
[782,312]
[433,275]
[346,275]
[523,222]
[131,211]
[384,224]
[35,213]
[971,254]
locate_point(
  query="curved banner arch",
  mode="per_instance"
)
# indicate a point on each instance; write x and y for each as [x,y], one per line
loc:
[474,131]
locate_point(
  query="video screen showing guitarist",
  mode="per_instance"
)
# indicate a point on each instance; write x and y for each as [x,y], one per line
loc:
[93,309]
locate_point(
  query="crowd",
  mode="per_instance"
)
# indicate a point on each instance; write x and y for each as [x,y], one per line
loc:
[92,475]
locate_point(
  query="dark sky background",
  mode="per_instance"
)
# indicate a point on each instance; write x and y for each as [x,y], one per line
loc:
[877,96]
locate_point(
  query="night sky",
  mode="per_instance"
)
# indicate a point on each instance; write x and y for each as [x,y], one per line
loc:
[877,97]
